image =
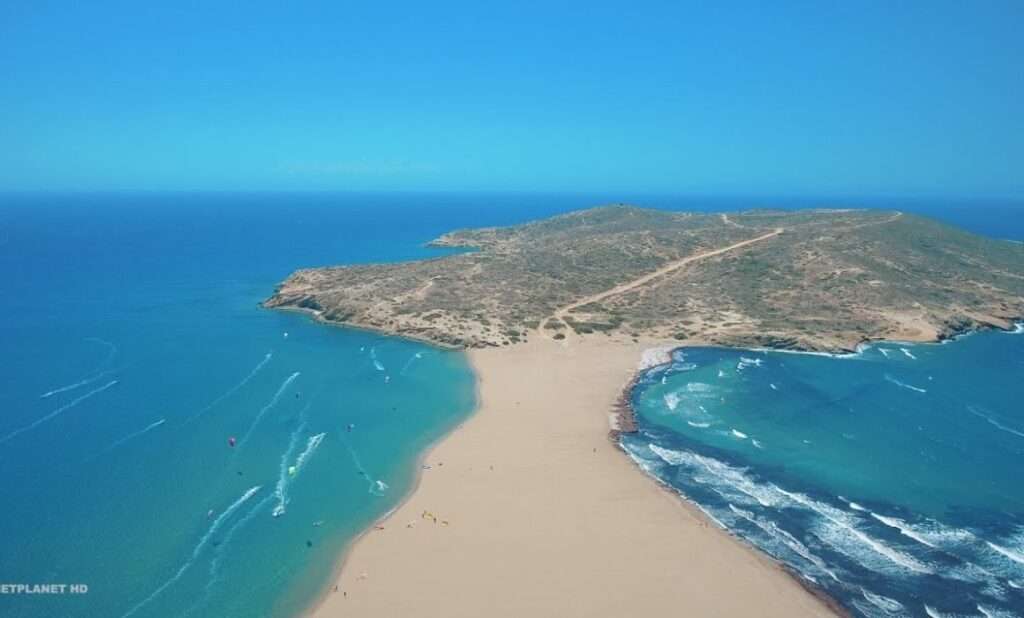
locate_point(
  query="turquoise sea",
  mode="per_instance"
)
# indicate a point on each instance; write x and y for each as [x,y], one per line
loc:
[135,351]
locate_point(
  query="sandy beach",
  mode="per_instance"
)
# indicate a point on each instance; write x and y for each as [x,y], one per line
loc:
[528,509]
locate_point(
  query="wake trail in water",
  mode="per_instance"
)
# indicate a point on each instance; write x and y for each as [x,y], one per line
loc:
[273,401]
[134,434]
[234,389]
[892,380]
[58,411]
[94,375]
[281,489]
[221,549]
[374,486]
[995,423]
[415,357]
[249,493]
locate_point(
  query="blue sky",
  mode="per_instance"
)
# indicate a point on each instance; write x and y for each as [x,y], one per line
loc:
[860,98]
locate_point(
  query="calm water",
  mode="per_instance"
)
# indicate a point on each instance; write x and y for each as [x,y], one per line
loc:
[134,350]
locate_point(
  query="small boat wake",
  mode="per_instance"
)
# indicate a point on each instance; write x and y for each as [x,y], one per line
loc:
[288,473]
[97,373]
[64,408]
[270,404]
[217,523]
[234,389]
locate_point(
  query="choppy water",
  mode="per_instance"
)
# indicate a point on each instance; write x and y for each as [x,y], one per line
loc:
[890,478]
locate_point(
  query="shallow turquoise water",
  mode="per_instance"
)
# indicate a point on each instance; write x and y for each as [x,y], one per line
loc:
[140,311]
[134,349]
[891,478]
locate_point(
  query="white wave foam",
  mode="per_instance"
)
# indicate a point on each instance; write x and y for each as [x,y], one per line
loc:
[884,603]
[234,389]
[719,475]
[757,444]
[699,387]
[698,425]
[904,528]
[989,612]
[671,400]
[885,352]
[774,531]
[740,434]
[378,366]
[995,423]
[64,408]
[857,507]
[889,378]
[270,404]
[843,526]
[654,357]
[198,548]
[908,354]
[721,373]
[1005,551]
[931,533]
[748,362]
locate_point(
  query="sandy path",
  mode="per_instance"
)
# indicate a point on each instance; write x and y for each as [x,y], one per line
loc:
[547,517]
[664,270]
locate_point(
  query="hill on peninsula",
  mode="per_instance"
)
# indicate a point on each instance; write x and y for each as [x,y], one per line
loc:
[807,279]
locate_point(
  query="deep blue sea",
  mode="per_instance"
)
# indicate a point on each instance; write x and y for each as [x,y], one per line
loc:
[135,354]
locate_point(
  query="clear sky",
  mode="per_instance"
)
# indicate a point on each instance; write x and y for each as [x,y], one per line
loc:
[810,98]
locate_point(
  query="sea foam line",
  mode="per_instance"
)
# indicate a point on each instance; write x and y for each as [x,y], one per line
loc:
[273,401]
[58,411]
[904,528]
[234,389]
[834,515]
[1009,553]
[249,493]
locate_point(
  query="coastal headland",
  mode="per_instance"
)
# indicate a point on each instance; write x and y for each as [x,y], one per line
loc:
[529,508]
